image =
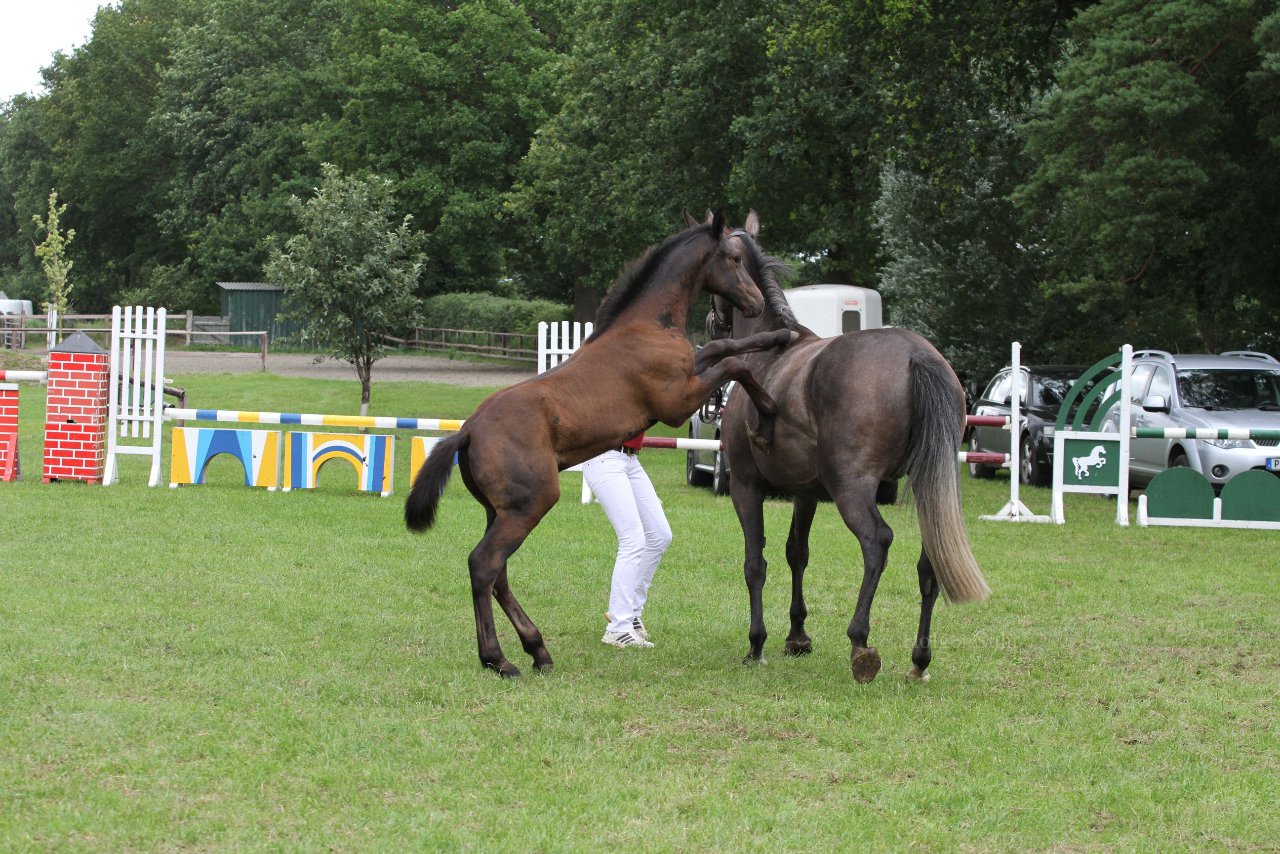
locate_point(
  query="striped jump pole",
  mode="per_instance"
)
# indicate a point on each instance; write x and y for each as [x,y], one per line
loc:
[379,422]
[24,376]
[1202,433]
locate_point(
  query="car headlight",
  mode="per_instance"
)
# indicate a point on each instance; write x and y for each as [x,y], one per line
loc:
[1230,444]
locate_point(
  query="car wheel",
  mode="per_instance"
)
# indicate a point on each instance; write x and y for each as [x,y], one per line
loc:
[978,470]
[1030,471]
[1179,460]
[720,477]
[694,475]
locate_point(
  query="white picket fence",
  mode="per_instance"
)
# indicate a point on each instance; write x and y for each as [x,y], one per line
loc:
[135,394]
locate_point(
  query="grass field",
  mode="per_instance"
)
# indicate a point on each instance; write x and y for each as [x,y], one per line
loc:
[219,668]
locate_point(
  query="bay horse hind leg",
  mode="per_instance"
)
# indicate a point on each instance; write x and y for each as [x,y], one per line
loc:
[857,505]
[530,636]
[922,652]
[488,565]
[803,509]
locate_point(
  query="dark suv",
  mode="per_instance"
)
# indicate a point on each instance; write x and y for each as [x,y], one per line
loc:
[1043,389]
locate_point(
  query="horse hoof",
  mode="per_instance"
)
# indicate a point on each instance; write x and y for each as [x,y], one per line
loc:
[505,669]
[800,647]
[795,336]
[544,667]
[753,660]
[865,664]
[915,674]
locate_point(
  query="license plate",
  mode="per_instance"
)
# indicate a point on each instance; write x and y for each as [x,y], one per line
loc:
[1273,463]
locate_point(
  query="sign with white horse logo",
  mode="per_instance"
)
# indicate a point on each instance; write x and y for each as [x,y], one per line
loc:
[1093,462]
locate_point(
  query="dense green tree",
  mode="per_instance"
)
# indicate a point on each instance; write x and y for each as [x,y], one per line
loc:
[242,85]
[1155,177]
[88,136]
[443,99]
[958,271]
[351,273]
[853,87]
[649,93]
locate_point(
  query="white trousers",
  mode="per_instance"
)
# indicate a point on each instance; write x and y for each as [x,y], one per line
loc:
[629,500]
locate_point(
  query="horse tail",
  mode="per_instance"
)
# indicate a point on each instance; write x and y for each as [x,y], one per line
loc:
[428,486]
[935,479]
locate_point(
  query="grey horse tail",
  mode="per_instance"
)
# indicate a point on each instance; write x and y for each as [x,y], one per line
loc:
[428,486]
[936,432]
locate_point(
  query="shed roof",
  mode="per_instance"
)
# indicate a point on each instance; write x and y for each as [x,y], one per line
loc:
[249,286]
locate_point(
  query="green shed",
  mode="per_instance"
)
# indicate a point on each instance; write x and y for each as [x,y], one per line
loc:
[253,306]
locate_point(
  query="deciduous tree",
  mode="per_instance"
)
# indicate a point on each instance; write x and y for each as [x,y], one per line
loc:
[351,273]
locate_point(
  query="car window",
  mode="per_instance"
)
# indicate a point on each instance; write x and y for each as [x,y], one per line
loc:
[1138,382]
[1000,390]
[1051,390]
[1227,389]
[1161,384]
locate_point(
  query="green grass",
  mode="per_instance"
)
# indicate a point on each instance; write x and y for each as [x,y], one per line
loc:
[216,667]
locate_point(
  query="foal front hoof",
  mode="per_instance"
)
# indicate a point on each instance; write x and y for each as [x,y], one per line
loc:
[543,667]
[799,647]
[754,660]
[762,439]
[865,664]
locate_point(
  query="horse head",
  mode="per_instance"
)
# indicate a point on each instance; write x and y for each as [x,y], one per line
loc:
[727,275]
[722,320]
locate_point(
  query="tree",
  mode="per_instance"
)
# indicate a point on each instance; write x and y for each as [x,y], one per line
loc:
[52,252]
[242,85]
[649,92]
[351,273]
[1156,180]
[959,270]
[443,99]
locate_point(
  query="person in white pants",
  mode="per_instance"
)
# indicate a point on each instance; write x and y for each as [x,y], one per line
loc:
[629,500]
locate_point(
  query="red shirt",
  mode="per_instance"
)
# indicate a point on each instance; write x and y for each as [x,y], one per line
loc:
[636,442]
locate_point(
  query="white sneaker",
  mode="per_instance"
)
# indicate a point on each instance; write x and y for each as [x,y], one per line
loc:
[625,640]
[637,626]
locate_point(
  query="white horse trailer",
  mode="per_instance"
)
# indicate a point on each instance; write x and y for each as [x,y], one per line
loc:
[831,310]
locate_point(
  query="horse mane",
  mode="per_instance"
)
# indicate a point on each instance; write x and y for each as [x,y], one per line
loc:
[637,276]
[771,269]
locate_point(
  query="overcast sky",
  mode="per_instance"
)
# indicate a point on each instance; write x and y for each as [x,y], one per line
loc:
[32,30]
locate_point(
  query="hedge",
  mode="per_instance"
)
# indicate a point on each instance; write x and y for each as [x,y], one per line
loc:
[490,313]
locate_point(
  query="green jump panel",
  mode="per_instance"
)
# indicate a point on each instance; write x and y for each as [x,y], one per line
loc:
[1180,493]
[1252,496]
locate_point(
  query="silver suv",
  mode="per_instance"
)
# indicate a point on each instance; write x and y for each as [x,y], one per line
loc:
[1238,389]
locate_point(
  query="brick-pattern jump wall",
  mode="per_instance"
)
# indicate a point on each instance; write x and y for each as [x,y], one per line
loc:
[8,432]
[75,426]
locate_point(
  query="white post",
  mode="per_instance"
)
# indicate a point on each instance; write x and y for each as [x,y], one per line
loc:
[1015,510]
[1126,412]
[51,321]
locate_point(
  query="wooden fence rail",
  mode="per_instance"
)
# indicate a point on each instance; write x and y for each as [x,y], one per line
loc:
[516,346]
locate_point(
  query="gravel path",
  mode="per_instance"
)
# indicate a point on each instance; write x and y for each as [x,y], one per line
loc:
[432,369]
